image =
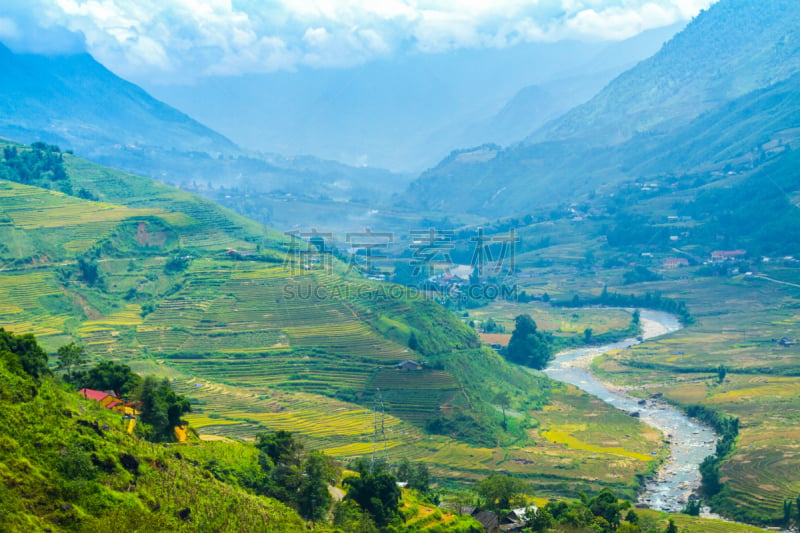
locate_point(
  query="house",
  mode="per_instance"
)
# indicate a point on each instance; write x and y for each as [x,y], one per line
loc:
[727,255]
[517,519]
[489,520]
[109,400]
[408,364]
[675,262]
[786,341]
[104,397]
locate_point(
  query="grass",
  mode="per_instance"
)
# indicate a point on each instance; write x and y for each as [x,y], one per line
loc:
[565,435]
[561,322]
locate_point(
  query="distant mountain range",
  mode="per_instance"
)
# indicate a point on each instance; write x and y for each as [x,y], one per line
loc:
[406,113]
[75,102]
[720,93]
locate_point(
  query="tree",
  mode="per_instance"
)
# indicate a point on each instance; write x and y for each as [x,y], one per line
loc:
[348,516]
[314,499]
[501,492]
[709,472]
[420,480]
[23,353]
[721,373]
[177,263]
[280,446]
[90,273]
[637,317]
[671,527]
[692,507]
[70,355]
[404,470]
[541,520]
[502,399]
[416,475]
[374,491]
[282,463]
[109,375]
[161,408]
[587,335]
[606,505]
[528,346]
[797,501]
[787,512]
[413,343]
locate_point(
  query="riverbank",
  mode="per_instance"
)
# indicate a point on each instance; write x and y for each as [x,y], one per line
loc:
[689,441]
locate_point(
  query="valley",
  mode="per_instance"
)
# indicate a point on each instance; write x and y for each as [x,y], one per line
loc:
[592,327]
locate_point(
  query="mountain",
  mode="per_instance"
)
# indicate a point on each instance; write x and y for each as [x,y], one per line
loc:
[76,102]
[535,105]
[717,94]
[716,58]
[401,113]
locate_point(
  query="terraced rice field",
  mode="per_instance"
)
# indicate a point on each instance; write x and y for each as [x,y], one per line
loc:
[22,310]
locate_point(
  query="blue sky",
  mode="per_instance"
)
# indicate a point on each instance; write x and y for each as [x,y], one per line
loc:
[180,40]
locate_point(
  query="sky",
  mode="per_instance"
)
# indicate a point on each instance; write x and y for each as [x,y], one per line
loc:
[175,41]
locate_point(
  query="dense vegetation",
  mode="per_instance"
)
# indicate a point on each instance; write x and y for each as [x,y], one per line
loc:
[41,165]
[528,346]
[68,466]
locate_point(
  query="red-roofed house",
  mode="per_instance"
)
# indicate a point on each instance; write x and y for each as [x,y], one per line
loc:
[110,401]
[98,396]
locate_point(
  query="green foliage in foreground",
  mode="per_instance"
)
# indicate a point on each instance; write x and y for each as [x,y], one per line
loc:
[68,466]
[375,491]
[22,355]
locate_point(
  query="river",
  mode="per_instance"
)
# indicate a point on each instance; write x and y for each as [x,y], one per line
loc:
[689,441]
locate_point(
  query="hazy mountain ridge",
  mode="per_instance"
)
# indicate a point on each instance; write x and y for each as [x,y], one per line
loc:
[75,101]
[713,121]
[733,48]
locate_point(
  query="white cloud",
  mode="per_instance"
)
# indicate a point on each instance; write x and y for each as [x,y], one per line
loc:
[617,22]
[183,39]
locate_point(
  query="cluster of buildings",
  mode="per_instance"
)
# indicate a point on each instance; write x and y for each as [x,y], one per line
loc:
[110,400]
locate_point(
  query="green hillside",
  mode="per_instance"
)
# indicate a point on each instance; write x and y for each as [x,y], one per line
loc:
[261,338]
[172,277]
[67,465]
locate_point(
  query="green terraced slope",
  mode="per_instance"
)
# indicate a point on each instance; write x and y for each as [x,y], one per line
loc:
[153,275]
